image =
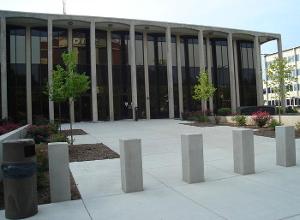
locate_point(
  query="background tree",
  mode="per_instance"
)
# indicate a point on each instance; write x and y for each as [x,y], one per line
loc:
[203,90]
[68,85]
[280,79]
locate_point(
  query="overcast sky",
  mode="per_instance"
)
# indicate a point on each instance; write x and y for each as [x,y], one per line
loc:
[276,16]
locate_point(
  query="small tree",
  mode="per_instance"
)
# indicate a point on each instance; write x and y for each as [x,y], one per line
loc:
[68,84]
[56,90]
[203,90]
[280,81]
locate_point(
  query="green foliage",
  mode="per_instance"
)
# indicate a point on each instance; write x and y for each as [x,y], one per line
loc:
[240,120]
[273,123]
[40,133]
[58,137]
[203,90]
[224,111]
[280,78]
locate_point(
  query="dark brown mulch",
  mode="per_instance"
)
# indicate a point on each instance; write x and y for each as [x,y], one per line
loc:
[86,152]
[268,132]
[75,132]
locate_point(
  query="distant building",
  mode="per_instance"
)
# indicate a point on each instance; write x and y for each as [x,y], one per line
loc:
[293,57]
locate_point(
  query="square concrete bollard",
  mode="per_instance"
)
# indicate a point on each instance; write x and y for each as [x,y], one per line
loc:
[285,146]
[192,158]
[131,165]
[59,173]
[243,151]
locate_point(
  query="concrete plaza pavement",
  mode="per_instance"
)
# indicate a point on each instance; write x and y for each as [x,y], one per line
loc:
[273,192]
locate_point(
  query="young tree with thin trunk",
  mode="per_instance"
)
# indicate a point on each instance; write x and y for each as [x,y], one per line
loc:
[203,90]
[68,85]
[280,80]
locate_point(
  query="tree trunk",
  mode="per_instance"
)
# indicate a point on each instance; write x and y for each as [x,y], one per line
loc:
[71,131]
[59,115]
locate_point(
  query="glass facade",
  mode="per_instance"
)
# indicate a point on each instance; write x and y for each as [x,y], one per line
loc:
[81,47]
[247,75]
[102,75]
[16,74]
[175,77]
[158,81]
[121,75]
[39,72]
[220,74]
[190,68]
[60,45]
[140,74]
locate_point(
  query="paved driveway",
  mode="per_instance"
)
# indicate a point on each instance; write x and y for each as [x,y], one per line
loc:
[272,193]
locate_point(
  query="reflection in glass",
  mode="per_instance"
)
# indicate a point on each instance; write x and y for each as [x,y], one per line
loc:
[121,75]
[220,72]
[102,75]
[16,74]
[39,72]
[247,76]
[59,46]
[81,47]
[158,82]
[190,70]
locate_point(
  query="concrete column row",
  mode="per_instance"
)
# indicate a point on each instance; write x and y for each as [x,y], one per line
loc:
[232,69]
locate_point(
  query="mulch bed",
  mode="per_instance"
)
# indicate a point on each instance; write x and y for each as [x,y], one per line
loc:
[86,152]
[75,132]
[200,124]
[82,152]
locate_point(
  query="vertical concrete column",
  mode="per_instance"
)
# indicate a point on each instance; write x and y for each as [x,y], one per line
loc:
[279,47]
[257,63]
[236,68]
[59,174]
[50,65]
[192,158]
[243,151]
[209,65]
[28,75]
[179,72]
[231,72]
[93,71]
[170,72]
[110,77]
[296,69]
[4,104]
[133,70]
[131,165]
[146,72]
[285,146]
[70,48]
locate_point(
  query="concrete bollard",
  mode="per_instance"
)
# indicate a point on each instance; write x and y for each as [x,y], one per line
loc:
[285,146]
[131,165]
[192,158]
[59,173]
[243,151]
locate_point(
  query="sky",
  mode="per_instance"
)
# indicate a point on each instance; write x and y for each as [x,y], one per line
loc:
[275,16]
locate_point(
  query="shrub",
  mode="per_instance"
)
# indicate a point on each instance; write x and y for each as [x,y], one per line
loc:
[53,127]
[7,127]
[261,118]
[240,120]
[290,109]
[196,116]
[39,133]
[224,111]
[273,123]
[59,137]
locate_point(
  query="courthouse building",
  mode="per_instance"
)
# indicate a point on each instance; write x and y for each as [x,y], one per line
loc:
[131,63]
